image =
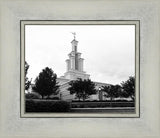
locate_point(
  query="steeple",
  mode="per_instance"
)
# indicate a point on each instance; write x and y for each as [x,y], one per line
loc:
[75,63]
[74,45]
[74,42]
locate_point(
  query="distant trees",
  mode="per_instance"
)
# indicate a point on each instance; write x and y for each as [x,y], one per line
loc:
[82,88]
[45,83]
[128,88]
[111,91]
[27,82]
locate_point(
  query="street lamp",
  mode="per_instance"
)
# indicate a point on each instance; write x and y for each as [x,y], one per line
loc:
[100,93]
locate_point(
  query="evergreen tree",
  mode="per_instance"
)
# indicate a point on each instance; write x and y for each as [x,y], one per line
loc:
[45,83]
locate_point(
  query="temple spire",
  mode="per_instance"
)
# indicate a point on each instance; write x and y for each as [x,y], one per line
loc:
[75,63]
[74,43]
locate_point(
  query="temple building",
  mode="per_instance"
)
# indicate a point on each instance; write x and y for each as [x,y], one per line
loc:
[74,70]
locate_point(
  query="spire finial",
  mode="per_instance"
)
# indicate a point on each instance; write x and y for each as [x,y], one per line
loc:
[74,35]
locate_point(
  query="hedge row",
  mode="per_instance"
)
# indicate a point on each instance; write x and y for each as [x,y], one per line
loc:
[86,101]
[46,106]
[101,104]
[37,96]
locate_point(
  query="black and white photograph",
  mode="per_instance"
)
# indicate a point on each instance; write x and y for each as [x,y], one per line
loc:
[80,68]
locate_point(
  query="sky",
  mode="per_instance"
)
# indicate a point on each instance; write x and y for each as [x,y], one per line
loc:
[108,50]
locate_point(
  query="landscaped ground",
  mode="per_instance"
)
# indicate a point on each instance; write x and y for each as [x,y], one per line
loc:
[39,105]
[104,110]
[103,107]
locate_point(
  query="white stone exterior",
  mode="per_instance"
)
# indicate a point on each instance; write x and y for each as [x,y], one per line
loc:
[74,70]
[75,64]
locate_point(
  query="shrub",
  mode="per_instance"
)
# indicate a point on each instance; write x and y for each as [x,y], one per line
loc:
[30,105]
[46,106]
[53,98]
[61,106]
[32,96]
[101,104]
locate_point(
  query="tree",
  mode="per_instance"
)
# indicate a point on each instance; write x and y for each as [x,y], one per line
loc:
[45,83]
[27,82]
[111,91]
[82,88]
[128,88]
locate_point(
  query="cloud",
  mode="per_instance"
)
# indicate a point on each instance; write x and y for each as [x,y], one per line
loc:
[109,51]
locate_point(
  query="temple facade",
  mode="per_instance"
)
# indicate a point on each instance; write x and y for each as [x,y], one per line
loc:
[74,70]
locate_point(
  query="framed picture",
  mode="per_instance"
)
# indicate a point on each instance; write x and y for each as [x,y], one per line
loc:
[113,94]
[49,36]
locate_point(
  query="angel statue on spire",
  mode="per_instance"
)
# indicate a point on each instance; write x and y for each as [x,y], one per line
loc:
[74,35]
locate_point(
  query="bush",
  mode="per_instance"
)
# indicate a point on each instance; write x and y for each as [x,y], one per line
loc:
[32,96]
[61,106]
[53,98]
[46,106]
[101,104]
[86,101]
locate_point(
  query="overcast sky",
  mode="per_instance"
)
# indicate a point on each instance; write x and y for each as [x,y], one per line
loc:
[108,50]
